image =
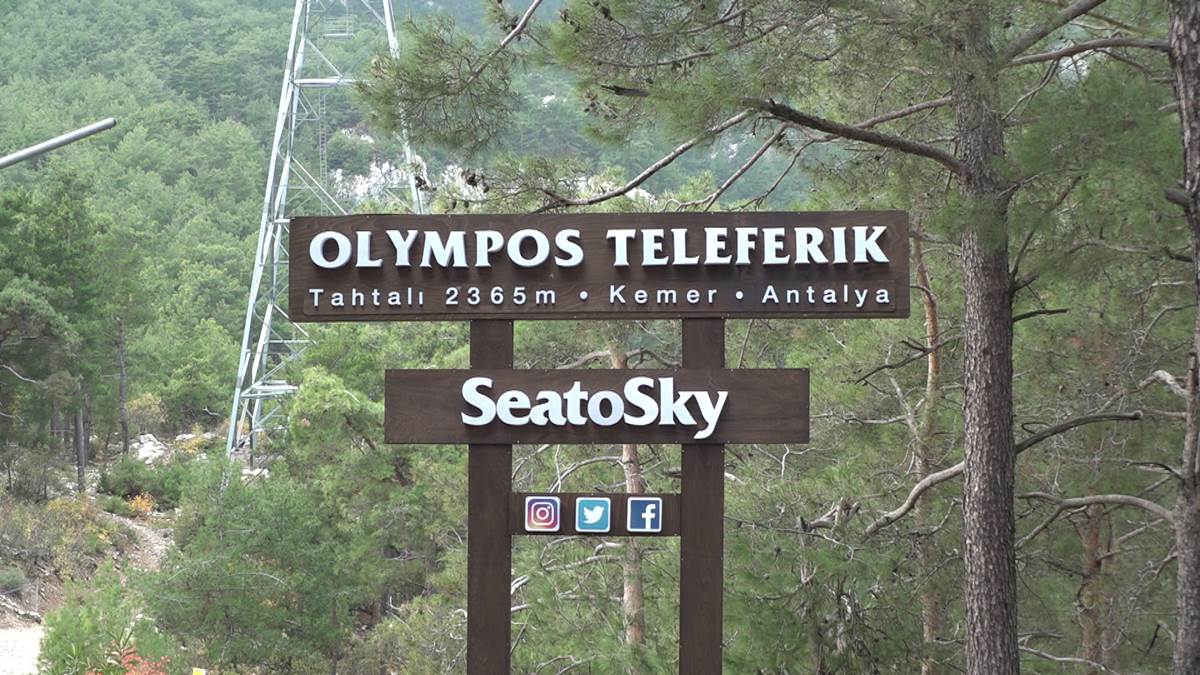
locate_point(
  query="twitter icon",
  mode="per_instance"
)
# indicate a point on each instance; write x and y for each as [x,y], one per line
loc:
[593,514]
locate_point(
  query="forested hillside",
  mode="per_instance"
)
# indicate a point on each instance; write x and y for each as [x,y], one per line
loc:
[124,262]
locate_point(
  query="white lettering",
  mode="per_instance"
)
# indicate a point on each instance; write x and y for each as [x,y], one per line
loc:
[865,248]
[472,397]
[316,250]
[402,244]
[541,246]
[620,240]
[449,253]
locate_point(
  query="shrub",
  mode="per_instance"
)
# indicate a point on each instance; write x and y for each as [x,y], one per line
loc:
[130,478]
[147,413]
[66,533]
[117,506]
[101,629]
[142,505]
[11,579]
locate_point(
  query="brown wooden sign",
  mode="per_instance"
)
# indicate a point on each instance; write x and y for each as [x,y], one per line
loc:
[599,266]
[597,406]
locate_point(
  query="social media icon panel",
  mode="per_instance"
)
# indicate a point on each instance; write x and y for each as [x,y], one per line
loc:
[542,514]
[644,514]
[593,514]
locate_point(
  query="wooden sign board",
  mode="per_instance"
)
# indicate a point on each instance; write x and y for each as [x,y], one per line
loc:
[597,406]
[599,266]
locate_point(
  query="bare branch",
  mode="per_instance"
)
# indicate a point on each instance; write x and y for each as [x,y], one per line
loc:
[586,359]
[905,112]
[1177,197]
[1035,34]
[1154,251]
[512,35]
[762,150]
[1038,312]
[911,501]
[1090,45]
[1069,659]
[1167,379]
[1125,500]
[840,512]
[783,174]
[17,375]
[787,113]
[946,474]
[879,119]
[920,352]
[560,201]
[1064,427]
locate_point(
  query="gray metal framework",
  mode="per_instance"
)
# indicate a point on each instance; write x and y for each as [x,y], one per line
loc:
[331,40]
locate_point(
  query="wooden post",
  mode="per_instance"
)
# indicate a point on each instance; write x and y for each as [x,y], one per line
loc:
[702,540]
[489,554]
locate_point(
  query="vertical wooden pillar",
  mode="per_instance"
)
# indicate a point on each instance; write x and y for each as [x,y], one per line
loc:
[489,554]
[702,540]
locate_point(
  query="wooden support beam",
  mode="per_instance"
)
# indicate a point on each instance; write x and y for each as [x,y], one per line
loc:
[489,551]
[701,548]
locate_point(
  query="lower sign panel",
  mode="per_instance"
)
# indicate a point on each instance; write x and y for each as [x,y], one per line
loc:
[597,406]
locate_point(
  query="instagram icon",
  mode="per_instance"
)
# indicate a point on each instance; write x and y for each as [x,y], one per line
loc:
[541,514]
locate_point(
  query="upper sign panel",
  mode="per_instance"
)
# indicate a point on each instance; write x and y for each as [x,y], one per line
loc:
[851,264]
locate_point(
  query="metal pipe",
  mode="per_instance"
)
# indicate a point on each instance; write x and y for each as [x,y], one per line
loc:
[57,142]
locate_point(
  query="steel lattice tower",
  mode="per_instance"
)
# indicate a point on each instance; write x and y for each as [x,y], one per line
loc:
[331,41]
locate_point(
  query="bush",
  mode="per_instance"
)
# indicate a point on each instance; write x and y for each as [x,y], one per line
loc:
[147,413]
[11,579]
[116,506]
[67,534]
[130,478]
[101,629]
[142,505]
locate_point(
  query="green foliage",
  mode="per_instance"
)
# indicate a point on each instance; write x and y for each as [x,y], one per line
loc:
[130,477]
[12,579]
[66,535]
[98,626]
[117,506]
[265,573]
[448,99]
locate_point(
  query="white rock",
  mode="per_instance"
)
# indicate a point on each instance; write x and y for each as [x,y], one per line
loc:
[184,437]
[150,449]
[249,473]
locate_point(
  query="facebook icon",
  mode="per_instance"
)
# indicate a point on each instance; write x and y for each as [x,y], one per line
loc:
[643,514]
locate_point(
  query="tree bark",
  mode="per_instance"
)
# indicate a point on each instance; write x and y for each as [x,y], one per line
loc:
[80,450]
[1091,593]
[989,461]
[1184,40]
[121,387]
[931,600]
[632,601]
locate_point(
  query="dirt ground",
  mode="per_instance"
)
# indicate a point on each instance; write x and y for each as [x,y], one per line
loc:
[19,649]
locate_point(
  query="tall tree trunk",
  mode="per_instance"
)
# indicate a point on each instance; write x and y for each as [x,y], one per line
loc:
[1184,39]
[632,601]
[931,600]
[989,553]
[80,450]
[1092,596]
[88,428]
[121,387]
